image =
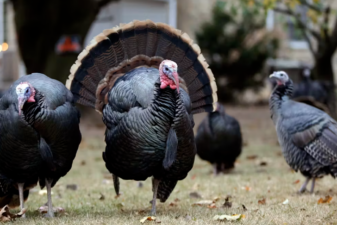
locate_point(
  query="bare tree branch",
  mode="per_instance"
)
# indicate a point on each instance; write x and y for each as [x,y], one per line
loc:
[325,26]
[311,6]
[301,24]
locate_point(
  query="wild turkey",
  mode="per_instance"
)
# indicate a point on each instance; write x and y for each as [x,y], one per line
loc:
[39,136]
[315,93]
[147,111]
[307,135]
[219,140]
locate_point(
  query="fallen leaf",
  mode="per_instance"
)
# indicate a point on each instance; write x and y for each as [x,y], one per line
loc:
[140,212]
[44,209]
[244,208]
[196,186]
[252,157]
[195,195]
[83,163]
[327,199]
[285,202]
[262,201]
[6,215]
[247,188]
[227,203]
[263,163]
[71,187]
[212,206]
[42,192]
[297,181]
[228,217]
[172,204]
[193,177]
[176,199]
[216,199]
[203,203]
[148,218]
[102,197]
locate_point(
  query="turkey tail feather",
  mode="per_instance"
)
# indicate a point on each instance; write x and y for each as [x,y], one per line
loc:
[140,43]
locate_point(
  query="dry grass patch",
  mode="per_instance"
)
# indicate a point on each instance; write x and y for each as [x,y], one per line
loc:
[261,175]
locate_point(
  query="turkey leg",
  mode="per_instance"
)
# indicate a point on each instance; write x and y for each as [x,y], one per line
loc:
[50,204]
[304,186]
[155,184]
[22,200]
[312,186]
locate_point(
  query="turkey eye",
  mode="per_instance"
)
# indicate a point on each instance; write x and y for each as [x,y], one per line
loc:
[27,91]
[166,69]
[281,74]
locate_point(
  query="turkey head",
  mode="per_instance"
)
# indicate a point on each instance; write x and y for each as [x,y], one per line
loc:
[26,93]
[169,75]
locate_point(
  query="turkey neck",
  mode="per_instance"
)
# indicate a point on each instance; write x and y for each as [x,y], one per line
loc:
[164,102]
[31,109]
[280,95]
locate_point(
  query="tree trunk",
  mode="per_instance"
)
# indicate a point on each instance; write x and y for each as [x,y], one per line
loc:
[324,71]
[39,26]
[323,67]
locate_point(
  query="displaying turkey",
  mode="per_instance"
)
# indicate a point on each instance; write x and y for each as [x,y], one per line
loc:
[307,135]
[219,140]
[130,74]
[315,93]
[39,136]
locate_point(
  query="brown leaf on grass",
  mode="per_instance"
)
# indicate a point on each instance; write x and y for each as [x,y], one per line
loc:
[148,218]
[244,207]
[72,187]
[172,204]
[247,188]
[227,203]
[140,212]
[327,199]
[297,181]
[176,199]
[212,206]
[102,197]
[216,199]
[263,163]
[203,203]
[193,177]
[252,157]
[44,209]
[262,201]
[6,215]
[83,163]
[195,195]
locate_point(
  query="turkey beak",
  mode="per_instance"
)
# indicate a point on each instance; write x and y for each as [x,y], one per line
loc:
[272,75]
[176,79]
[21,102]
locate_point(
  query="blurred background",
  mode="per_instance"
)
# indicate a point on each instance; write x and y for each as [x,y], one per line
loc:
[243,40]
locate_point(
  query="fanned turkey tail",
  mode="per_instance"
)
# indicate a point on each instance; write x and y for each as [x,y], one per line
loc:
[140,43]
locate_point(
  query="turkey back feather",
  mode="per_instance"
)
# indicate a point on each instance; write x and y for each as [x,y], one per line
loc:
[140,43]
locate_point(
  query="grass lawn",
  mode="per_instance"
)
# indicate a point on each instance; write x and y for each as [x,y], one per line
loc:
[260,174]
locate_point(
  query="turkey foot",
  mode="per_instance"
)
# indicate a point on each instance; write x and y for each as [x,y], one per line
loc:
[50,213]
[22,200]
[155,184]
[304,186]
